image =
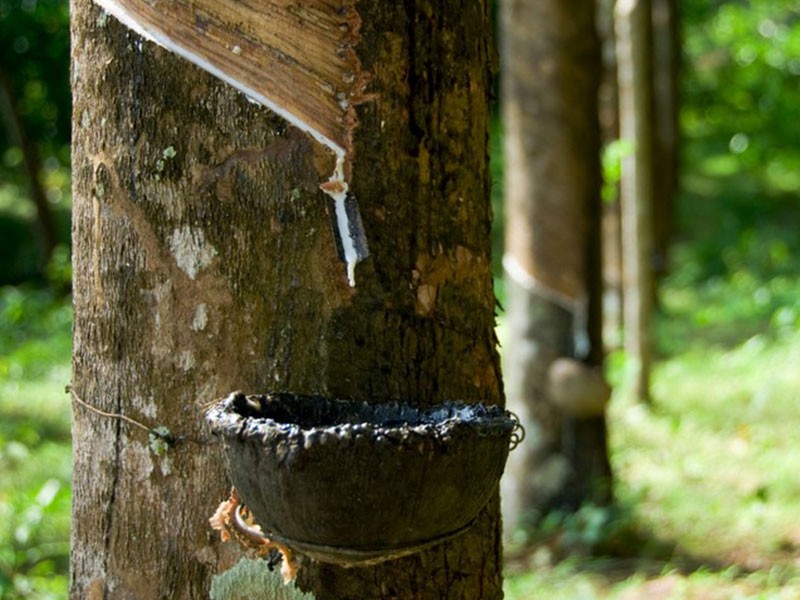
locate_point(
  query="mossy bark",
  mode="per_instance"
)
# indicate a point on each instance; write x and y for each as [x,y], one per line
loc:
[204,262]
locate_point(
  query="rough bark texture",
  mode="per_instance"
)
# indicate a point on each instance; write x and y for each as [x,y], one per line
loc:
[205,262]
[551,60]
[634,28]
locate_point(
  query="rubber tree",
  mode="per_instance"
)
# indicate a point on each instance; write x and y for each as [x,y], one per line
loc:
[612,147]
[204,262]
[666,126]
[633,21]
[665,90]
[551,67]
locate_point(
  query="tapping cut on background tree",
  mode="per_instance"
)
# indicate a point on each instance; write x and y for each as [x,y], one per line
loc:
[204,262]
[551,66]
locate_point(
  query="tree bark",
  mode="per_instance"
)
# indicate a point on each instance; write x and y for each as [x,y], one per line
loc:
[666,128]
[550,80]
[204,262]
[634,59]
[609,133]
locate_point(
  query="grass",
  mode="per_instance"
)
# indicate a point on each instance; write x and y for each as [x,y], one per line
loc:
[707,486]
[35,457]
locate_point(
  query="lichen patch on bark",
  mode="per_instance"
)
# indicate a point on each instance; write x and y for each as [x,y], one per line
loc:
[191,250]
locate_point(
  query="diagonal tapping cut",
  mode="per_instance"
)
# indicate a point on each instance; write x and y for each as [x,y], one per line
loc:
[295,58]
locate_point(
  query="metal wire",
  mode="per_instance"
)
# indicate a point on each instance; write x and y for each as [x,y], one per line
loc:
[518,433]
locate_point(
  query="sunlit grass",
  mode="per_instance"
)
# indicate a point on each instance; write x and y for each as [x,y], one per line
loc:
[711,471]
[35,457]
[572,581]
[714,463]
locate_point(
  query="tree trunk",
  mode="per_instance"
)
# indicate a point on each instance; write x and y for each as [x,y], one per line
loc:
[666,128]
[633,25]
[205,262]
[609,134]
[550,81]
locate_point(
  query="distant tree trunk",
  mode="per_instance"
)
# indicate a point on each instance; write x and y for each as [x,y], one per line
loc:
[551,59]
[666,128]
[633,27]
[204,262]
[18,135]
[609,134]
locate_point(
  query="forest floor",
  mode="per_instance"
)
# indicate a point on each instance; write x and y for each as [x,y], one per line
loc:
[707,490]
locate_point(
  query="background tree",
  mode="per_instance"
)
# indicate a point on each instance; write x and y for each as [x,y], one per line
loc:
[634,70]
[665,90]
[551,66]
[204,263]
[666,58]
[609,134]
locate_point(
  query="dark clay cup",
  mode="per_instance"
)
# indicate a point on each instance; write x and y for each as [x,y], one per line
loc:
[356,483]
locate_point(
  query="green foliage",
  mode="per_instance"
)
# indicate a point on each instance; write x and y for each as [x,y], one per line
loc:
[59,270]
[737,268]
[611,163]
[576,580]
[742,89]
[705,480]
[34,443]
[33,560]
[34,35]
[706,491]
[34,332]
[19,235]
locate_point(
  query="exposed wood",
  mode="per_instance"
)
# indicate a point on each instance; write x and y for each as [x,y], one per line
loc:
[633,26]
[295,58]
[203,264]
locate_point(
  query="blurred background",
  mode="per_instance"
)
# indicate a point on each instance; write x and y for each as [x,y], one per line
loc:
[706,487]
